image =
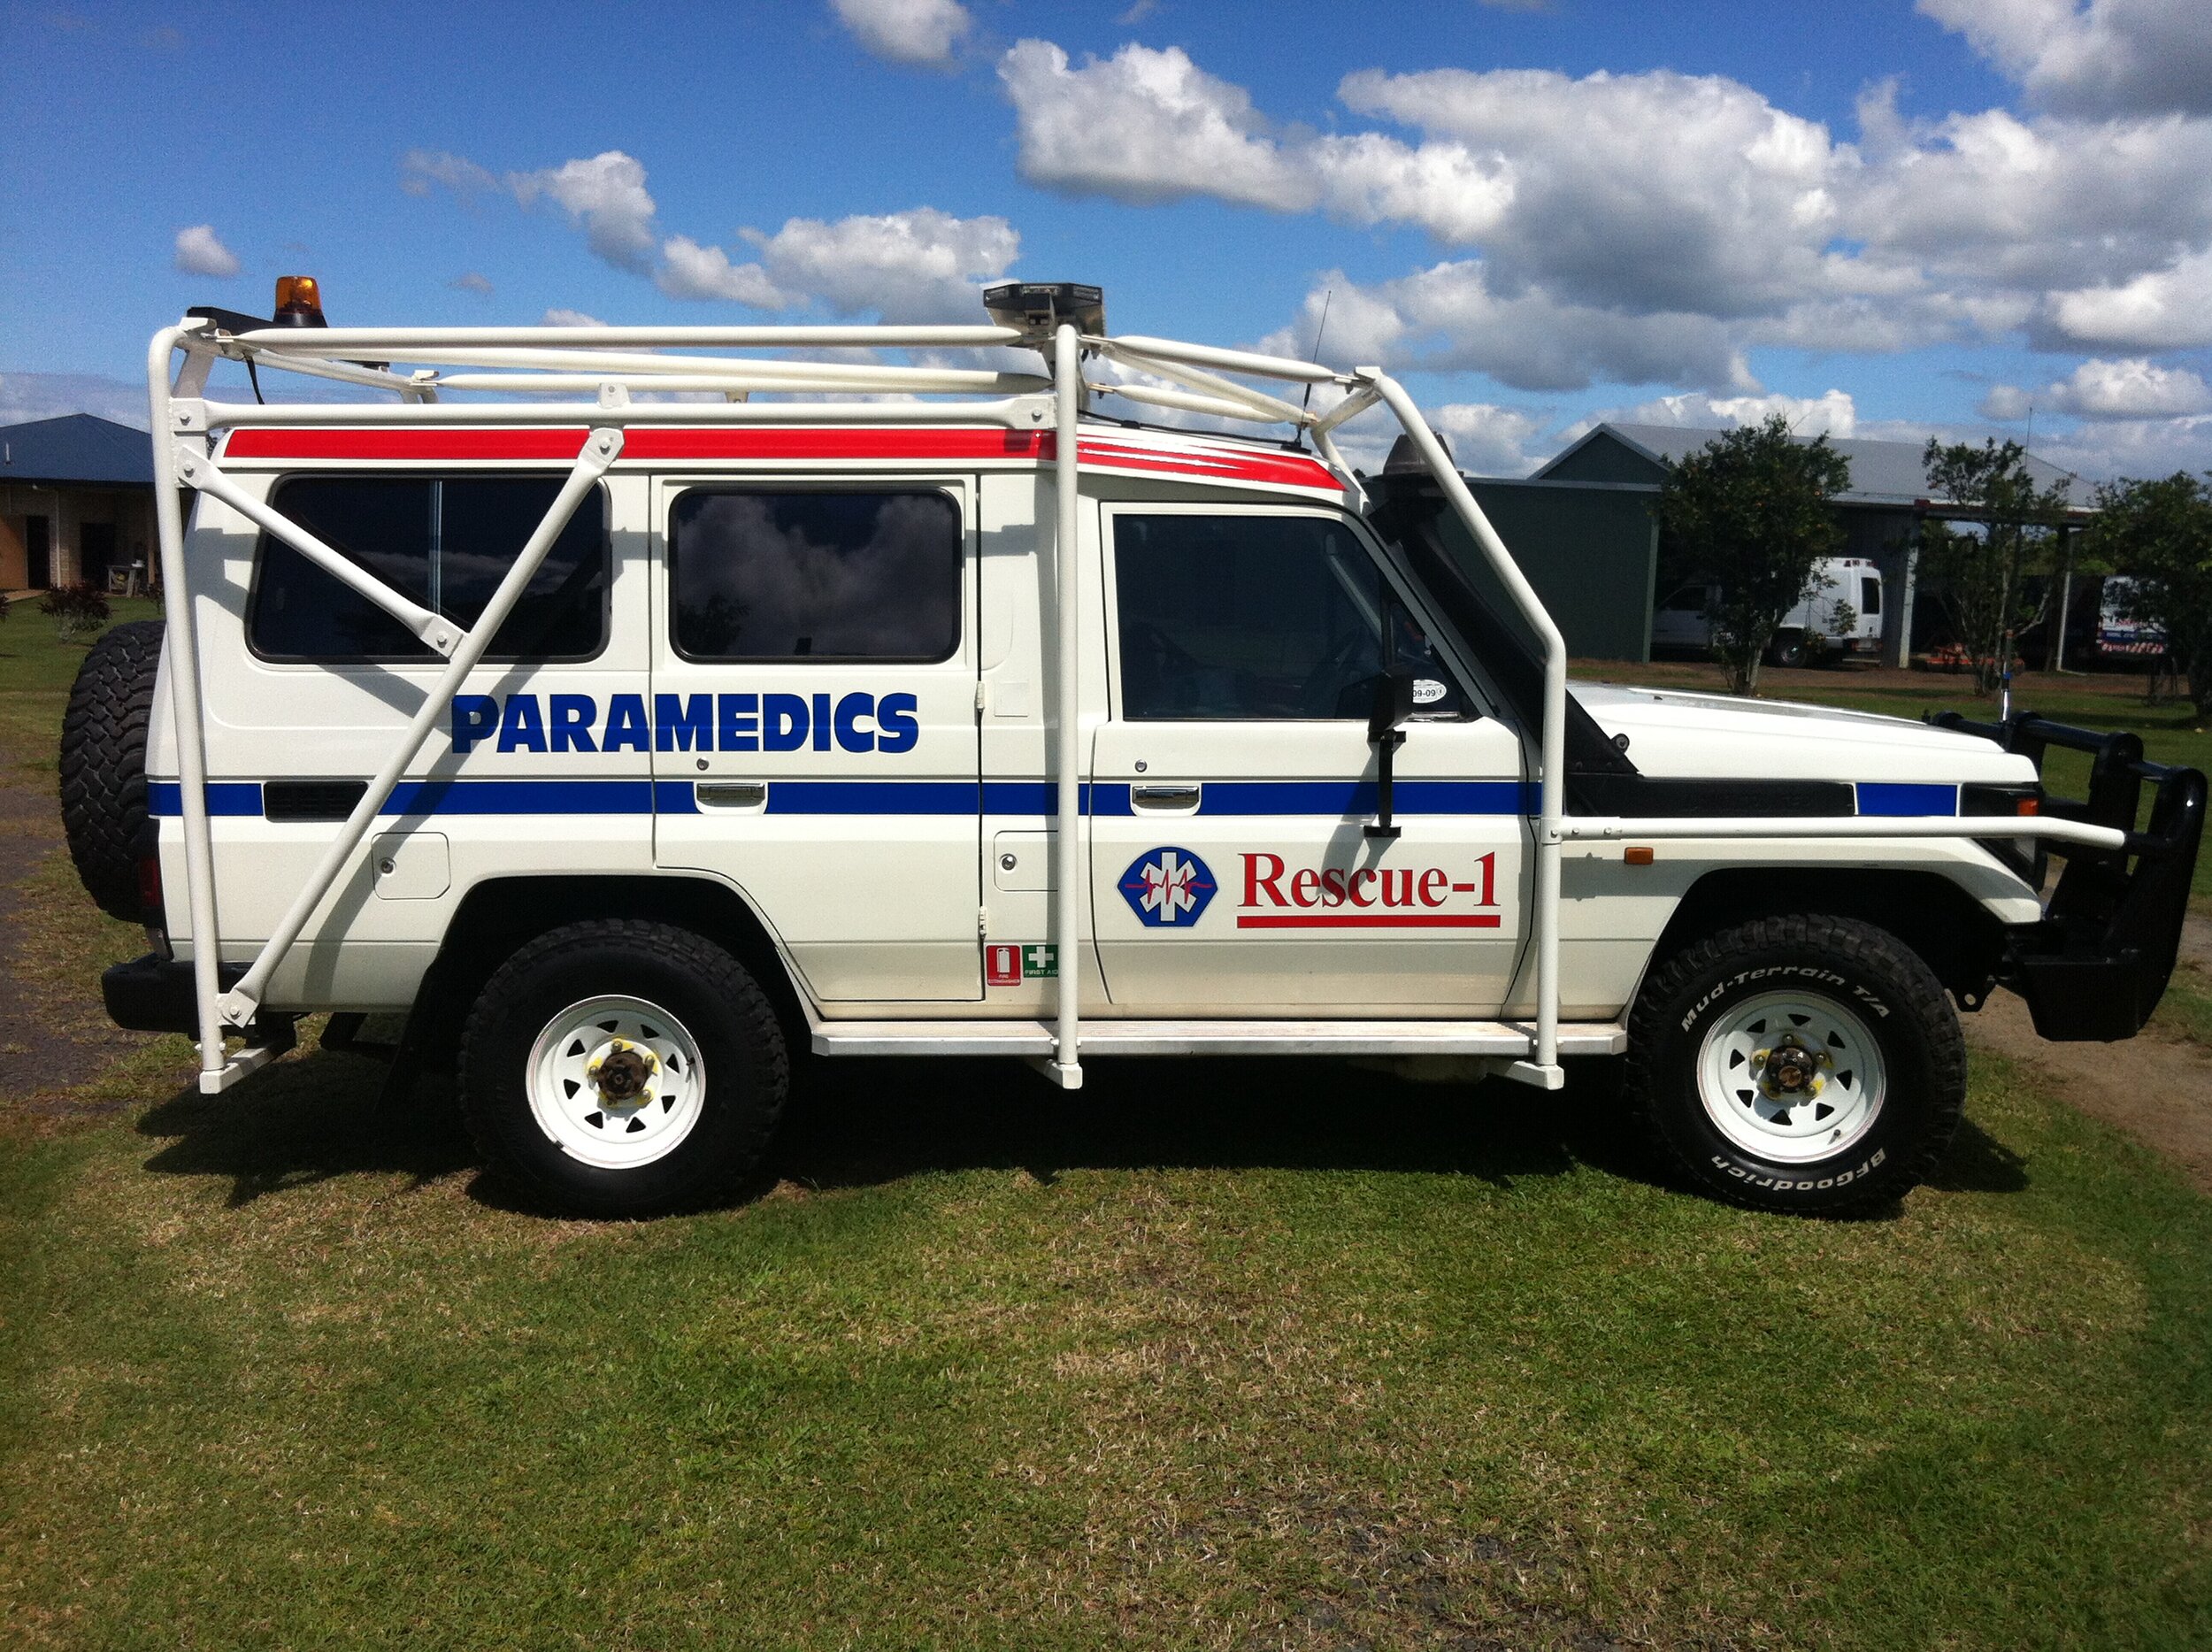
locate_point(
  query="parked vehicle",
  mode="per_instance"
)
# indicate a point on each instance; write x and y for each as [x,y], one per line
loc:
[619,744]
[1841,618]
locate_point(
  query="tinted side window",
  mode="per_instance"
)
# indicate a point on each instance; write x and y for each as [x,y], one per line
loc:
[444,540]
[815,576]
[1252,617]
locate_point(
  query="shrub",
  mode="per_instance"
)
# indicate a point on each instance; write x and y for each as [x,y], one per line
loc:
[77,610]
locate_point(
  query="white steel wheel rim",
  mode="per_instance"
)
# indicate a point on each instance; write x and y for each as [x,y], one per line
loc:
[616,1082]
[1792,1077]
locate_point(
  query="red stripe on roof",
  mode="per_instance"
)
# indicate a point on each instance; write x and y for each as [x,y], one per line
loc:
[404,444]
[719,442]
[861,443]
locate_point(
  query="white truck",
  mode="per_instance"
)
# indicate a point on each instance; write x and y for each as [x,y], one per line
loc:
[626,743]
[1840,616]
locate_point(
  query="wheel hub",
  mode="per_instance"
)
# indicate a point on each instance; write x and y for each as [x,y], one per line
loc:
[1790,1072]
[623,1073]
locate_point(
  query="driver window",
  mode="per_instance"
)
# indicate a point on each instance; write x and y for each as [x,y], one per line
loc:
[1244,617]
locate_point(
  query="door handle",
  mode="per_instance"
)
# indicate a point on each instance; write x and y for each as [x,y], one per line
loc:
[732,794]
[1165,798]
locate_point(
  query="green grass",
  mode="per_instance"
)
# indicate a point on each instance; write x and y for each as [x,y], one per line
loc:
[1245,1355]
[1211,1355]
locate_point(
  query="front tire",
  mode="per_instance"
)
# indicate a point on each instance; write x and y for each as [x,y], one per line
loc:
[1789,651]
[622,1068]
[1810,1065]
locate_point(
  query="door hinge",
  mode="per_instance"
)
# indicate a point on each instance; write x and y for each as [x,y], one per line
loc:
[982,920]
[980,698]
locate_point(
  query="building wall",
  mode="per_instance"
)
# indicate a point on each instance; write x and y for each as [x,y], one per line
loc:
[66,509]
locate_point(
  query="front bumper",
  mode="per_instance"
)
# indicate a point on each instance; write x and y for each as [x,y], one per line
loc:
[2096,965]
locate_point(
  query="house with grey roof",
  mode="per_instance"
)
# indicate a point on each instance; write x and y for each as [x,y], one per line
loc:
[1881,512]
[76,502]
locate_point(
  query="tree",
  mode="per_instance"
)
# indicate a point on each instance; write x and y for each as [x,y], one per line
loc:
[1750,510]
[2160,532]
[1981,578]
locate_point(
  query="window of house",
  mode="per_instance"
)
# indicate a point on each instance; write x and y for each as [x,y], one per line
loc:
[1260,617]
[446,542]
[847,575]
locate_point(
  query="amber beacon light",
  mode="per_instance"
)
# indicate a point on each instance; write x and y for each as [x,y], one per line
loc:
[299,301]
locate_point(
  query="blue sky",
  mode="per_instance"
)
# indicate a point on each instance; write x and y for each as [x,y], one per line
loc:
[1880,219]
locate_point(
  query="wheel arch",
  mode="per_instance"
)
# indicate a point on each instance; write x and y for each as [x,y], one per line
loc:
[1960,940]
[500,915]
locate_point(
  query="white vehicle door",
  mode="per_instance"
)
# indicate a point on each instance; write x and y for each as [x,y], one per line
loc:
[814,724]
[1680,621]
[1232,871]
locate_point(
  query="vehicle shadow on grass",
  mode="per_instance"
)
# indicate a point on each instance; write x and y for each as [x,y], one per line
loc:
[857,1123]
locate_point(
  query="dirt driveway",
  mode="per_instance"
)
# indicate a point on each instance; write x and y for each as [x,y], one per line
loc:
[2156,1087]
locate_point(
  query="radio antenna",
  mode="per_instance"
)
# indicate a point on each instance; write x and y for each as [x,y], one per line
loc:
[1319,333]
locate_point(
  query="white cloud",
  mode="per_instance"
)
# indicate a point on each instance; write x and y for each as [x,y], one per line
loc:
[605,196]
[914,266]
[201,252]
[905,31]
[471,281]
[2133,388]
[2164,308]
[1485,440]
[558,317]
[1452,317]
[922,265]
[1146,126]
[691,271]
[1832,413]
[27,395]
[2108,56]
[2138,447]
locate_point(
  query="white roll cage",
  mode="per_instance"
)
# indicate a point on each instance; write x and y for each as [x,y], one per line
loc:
[609,364]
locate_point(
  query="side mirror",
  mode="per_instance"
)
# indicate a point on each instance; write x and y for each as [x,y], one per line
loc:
[1393,703]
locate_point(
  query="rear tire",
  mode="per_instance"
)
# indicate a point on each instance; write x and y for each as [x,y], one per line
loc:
[1787,650]
[1811,1065]
[622,1068]
[103,812]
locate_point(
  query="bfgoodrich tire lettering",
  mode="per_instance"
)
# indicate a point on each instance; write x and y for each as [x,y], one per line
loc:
[725,1080]
[1858,1012]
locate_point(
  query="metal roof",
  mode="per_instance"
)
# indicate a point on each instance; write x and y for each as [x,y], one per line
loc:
[76,447]
[1882,472]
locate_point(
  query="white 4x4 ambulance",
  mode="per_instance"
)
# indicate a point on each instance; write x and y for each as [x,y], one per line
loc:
[621,738]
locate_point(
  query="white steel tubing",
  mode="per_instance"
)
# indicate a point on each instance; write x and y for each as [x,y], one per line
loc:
[1228,360]
[1187,402]
[1579,828]
[315,367]
[1552,796]
[1015,413]
[600,451]
[1074,873]
[1272,407]
[601,364]
[1351,407]
[386,342]
[433,630]
[182,658]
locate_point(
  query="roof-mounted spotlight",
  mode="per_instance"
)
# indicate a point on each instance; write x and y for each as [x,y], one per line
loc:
[1041,306]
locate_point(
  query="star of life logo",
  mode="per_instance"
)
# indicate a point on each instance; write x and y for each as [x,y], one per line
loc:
[1167,887]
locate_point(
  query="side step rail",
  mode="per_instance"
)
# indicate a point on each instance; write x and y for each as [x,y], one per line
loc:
[1506,1042]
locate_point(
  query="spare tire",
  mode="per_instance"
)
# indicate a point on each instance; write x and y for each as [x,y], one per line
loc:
[103,765]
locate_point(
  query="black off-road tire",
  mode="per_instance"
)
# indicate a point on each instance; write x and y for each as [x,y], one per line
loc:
[1865,969]
[741,1043]
[1789,650]
[103,808]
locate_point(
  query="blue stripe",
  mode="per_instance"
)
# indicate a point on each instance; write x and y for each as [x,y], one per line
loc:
[1037,799]
[165,798]
[1903,797]
[1354,799]
[519,797]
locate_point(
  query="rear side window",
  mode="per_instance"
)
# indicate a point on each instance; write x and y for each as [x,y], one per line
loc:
[1870,596]
[444,540]
[785,577]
